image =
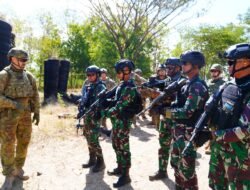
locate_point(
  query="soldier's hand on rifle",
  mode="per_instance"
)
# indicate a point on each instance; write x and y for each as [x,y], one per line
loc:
[36,118]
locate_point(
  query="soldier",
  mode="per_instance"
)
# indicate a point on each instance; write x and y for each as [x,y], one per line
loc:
[18,99]
[173,68]
[231,118]
[160,76]
[109,85]
[214,83]
[121,117]
[216,78]
[139,80]
[184,115]
[106,80]
[92,120]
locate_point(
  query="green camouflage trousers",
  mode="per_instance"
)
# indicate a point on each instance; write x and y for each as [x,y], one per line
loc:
[217,173]
[120,142]
[91,133]
[165,139]
[184,166]
[229,167]
[15,127]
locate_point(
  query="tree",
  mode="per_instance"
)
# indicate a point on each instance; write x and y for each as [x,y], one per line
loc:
[245,21]
[211,40]
[135,23]
[49,44]
[76,48]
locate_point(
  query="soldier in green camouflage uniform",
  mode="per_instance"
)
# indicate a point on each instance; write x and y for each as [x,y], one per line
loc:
[92,120]
[184,114]
[18,99]
[121,120]
[109,83]
[173,68]
[232,121]
[214,83]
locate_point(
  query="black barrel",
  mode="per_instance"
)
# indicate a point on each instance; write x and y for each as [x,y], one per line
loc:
[5,43]
[63,76]
[3,60]
[51,75]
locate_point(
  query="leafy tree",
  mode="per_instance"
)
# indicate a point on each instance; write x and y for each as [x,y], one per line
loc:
[135,25]
[49,44]
[211,40]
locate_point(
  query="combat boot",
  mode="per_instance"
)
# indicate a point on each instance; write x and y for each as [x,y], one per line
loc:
[19,173]
[99,165]
[91,162]
[8,183]
[158,176]
[116,171]
[123,179]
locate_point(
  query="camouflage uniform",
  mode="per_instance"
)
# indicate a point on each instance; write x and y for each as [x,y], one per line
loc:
[121,124]
[214,84]
[17,87]
[217,177]
[232,158]
[138,82]
[185,115]
[165,136]
[156,116]
[91,124]
[109,83]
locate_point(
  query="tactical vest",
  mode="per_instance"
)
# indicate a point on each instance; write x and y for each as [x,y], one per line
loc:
[132,108]
[181,100]
[18,85]
[91,93]
[230,107]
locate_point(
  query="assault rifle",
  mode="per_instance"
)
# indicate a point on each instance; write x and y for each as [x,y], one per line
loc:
[101,98]
[161,84]
[171,88]
[210,105]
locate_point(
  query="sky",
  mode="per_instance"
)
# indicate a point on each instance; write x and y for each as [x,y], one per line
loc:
[219,12]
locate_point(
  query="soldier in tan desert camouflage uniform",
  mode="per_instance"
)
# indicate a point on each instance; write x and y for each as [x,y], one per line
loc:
[18,99]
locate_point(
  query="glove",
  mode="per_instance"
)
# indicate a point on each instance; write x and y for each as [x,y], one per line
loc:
[36,118]
[202,137]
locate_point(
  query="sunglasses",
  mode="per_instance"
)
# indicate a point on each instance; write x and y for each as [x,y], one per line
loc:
[23,60]
[231,62]
[170,68]
[90,74]
[213,71]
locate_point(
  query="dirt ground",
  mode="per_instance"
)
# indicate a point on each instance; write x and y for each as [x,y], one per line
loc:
[56,154]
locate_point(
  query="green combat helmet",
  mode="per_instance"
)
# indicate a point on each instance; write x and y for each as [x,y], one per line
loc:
[18,53]
[216,67]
